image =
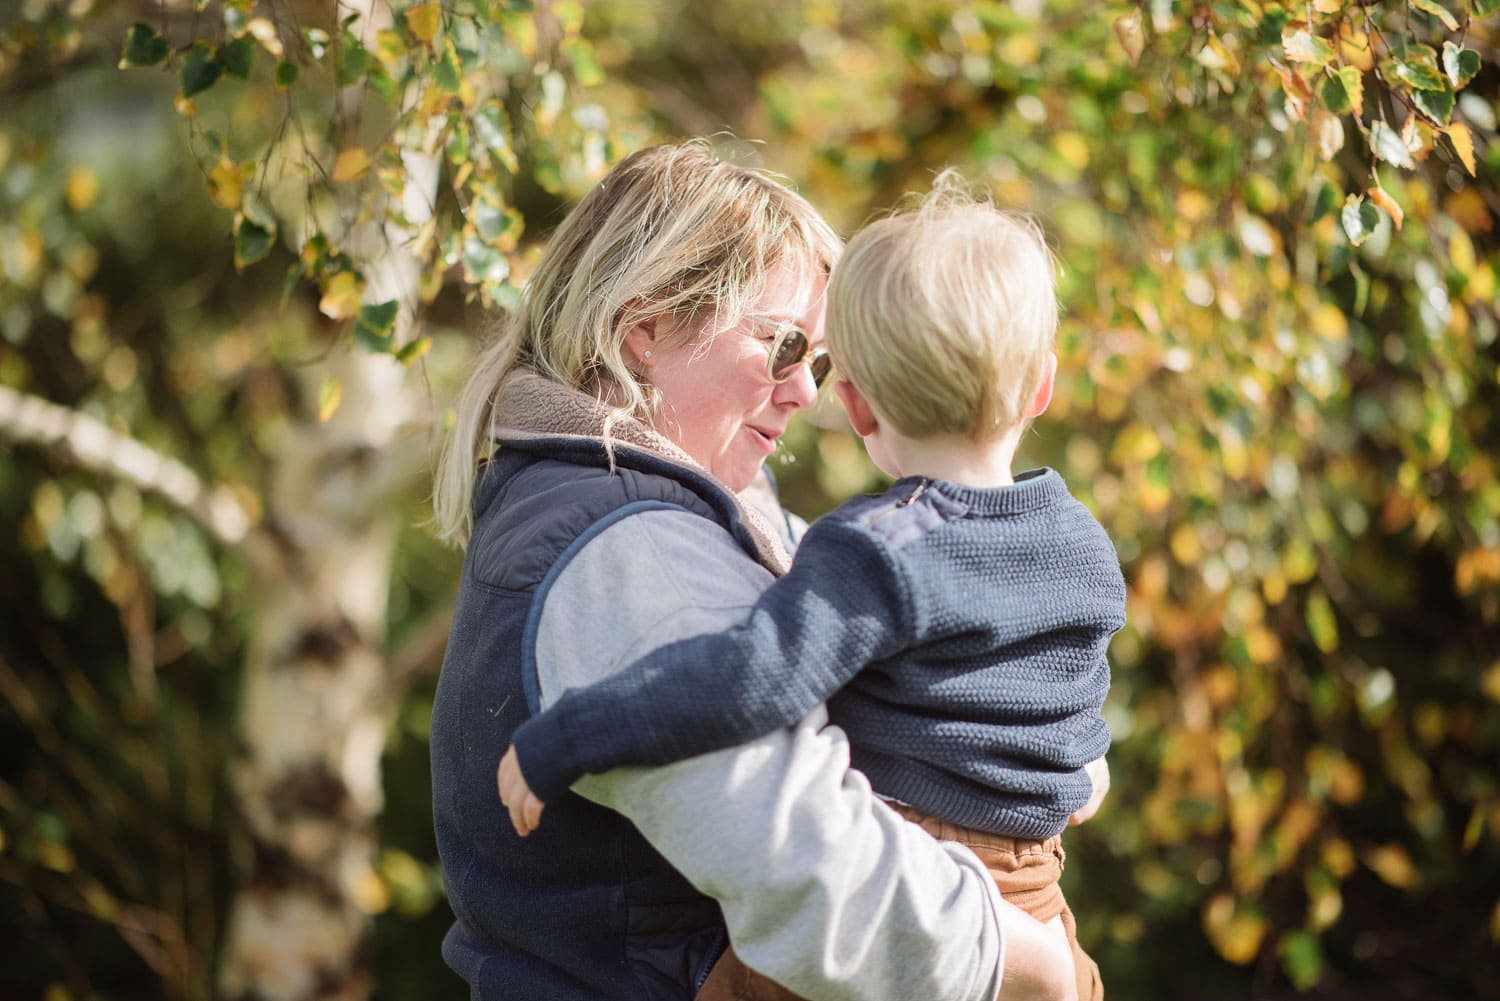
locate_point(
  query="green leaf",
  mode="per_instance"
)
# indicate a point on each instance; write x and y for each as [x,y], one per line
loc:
[235,56]
[1435,104]
[492,128]
[376,323]
[356,59]
[1360,217]
[489,220]
[330,394]
[286,74]
[1438,11]
[1321,622]
[415,349]
[586,68]
[252,241]
[1343,91]
[1271,25]
[1302,958]
[1421,75]
[1385,142]
[446,73]
[200,70]
[144,46]
[1483,8]
[1462,65]
[1324,202]
[483,263]
[1302,46]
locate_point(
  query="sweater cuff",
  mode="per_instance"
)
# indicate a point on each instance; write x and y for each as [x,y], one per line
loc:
[546,757]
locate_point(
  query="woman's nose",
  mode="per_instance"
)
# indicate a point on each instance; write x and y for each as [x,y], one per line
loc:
[799,390]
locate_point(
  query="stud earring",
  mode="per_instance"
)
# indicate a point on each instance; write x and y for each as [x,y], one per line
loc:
[648,354]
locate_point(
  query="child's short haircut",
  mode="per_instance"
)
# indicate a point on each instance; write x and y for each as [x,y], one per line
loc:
[944,315]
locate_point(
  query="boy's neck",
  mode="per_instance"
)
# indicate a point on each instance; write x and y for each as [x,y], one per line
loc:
[956,458]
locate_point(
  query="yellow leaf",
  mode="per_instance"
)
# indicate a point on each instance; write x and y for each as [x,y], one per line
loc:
[390,49]
[1330,136]
[1072,148]
[82,189]
[341,296]
[1338,857]
[1379,196]
[1185,546]
[226,183]
[1234,933]
[329,397]
[1491,683]
[351,164]
[57,857]
[1132,38]
[264,32]
[1468,208]
[1417,136]
[1328,321]
[424,19]
[1392,864]
[1328,6]
[1463,143]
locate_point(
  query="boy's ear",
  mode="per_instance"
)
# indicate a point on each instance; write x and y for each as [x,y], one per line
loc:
[1043,395]
[861,414]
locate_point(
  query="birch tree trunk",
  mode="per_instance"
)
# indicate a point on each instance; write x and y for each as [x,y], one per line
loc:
[316,701]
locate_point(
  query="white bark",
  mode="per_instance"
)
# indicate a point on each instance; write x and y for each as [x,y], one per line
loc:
[92,444]
[313,719]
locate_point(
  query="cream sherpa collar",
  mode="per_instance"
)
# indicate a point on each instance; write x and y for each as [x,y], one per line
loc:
[532,406]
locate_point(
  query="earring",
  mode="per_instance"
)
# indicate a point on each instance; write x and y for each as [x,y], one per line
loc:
[648,354]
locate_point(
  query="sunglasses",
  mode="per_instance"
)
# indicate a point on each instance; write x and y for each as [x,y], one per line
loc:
[790,348]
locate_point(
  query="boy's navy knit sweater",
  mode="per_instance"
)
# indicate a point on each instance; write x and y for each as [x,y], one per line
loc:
[957,634]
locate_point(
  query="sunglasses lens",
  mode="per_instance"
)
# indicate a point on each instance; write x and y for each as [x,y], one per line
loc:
[821,365]
[789,352]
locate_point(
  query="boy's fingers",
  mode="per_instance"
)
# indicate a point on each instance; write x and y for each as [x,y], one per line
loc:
[533,811]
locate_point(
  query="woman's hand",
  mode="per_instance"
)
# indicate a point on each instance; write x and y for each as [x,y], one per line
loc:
[1098,770]
[525,808]
[1038,959]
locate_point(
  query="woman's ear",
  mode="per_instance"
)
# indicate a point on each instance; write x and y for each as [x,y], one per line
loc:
[861,415]
[1043,395]
[640,345]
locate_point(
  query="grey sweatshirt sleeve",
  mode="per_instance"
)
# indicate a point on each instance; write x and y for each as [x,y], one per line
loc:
[823,888]
[841,606]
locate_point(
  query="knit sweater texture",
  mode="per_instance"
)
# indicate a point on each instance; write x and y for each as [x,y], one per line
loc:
[957,634]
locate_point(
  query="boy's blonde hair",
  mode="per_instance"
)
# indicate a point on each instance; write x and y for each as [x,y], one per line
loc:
[944,315]
[670,231]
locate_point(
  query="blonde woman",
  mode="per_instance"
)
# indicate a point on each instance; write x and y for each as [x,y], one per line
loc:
[670,332]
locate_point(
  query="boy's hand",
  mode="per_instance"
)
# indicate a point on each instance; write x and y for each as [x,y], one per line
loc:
[525,808]
[1098,770]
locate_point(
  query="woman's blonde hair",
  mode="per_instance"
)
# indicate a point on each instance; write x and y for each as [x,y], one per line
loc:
[944,315]
[670,231]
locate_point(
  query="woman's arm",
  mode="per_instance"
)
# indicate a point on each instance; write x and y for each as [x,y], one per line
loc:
[842,605]
[823,888]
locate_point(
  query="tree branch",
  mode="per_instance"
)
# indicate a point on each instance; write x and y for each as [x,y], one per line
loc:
[30,420]
[421,655]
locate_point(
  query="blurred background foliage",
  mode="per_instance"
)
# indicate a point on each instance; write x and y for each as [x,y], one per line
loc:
[1280,391]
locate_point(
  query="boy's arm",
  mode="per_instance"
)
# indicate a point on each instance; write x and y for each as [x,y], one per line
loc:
[842,605]
[824,889]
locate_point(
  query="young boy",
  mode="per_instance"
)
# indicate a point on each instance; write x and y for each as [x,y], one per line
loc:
[956,625]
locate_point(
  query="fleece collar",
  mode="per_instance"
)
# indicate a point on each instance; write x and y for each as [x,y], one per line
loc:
[531,406]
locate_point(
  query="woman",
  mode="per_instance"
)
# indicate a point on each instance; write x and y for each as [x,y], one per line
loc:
[660,349]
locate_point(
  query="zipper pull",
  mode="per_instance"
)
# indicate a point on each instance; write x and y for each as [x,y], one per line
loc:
[921,489]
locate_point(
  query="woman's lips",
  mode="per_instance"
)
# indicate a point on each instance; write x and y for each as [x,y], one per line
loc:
[767,439]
